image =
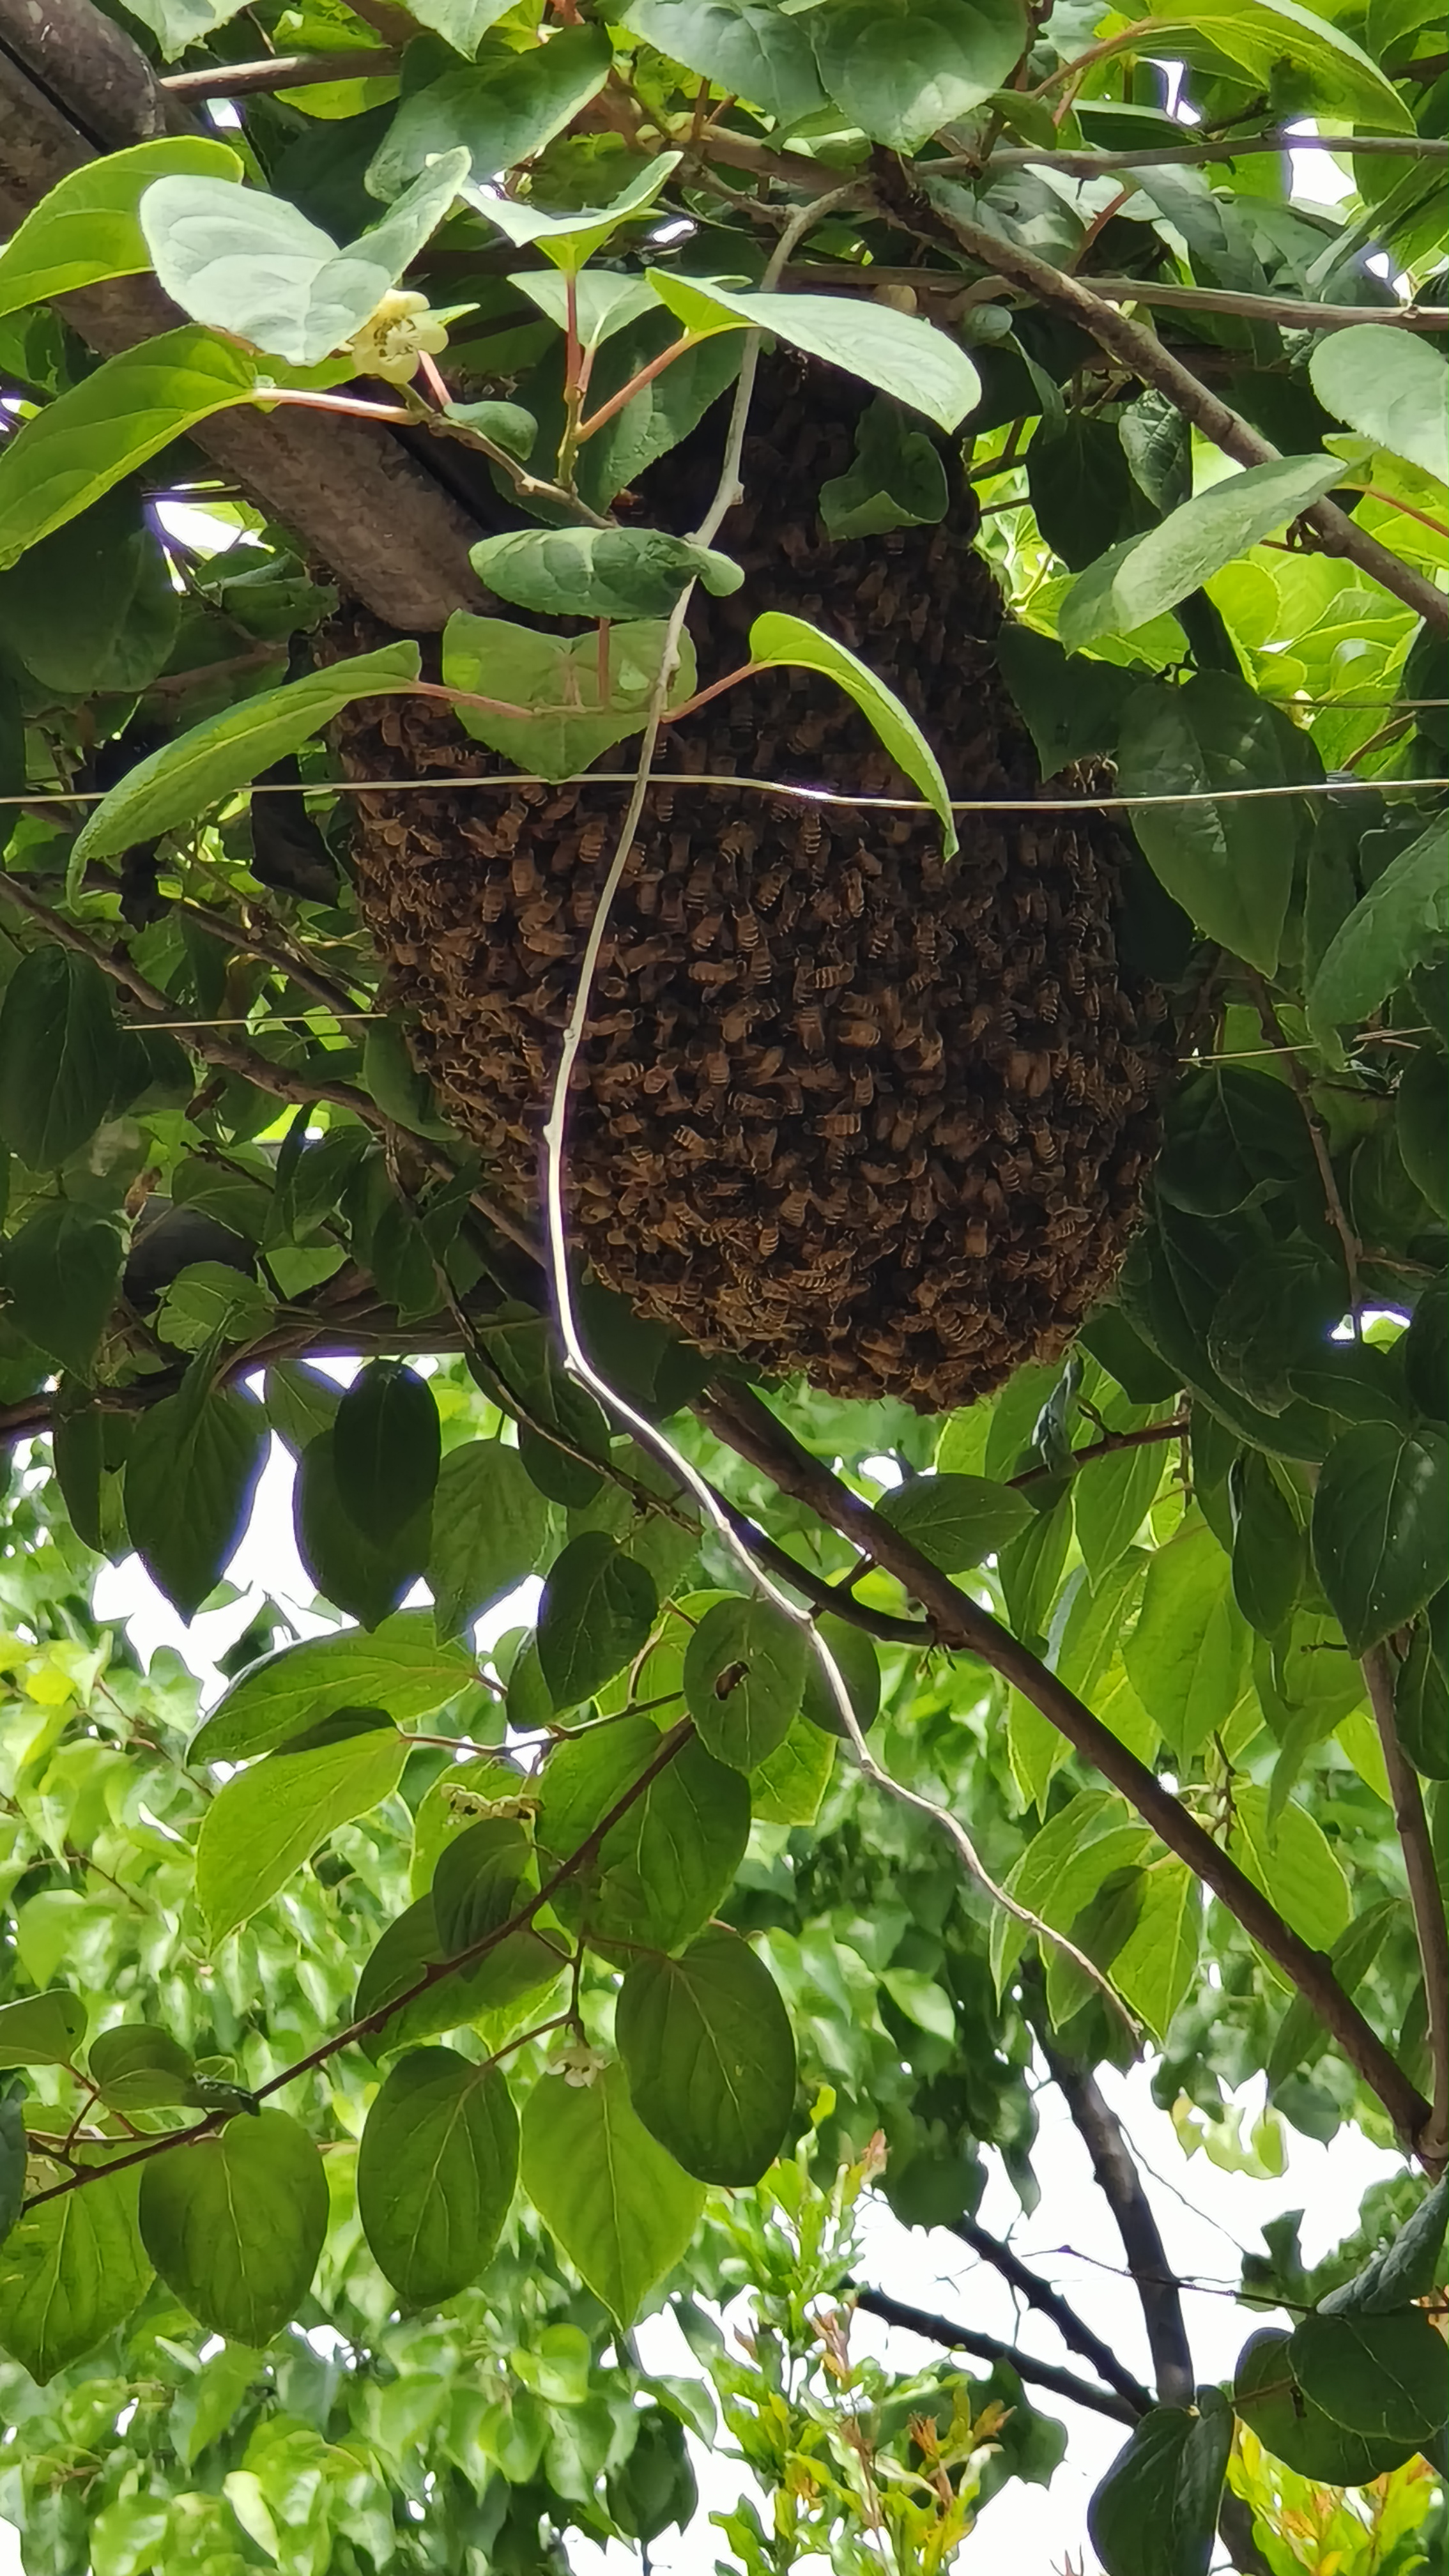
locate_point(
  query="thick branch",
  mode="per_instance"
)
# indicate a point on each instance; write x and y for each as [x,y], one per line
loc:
[1429,1923]
[1044,2374]
[1139,350]
[741,1418]
[1048,2302]
[1121,2186]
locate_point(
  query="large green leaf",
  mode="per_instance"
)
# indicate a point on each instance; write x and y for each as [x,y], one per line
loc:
[490,1529]
[1270,2402]
[491,114]
[399,1667]
[1391,386]
[113,421]
[744,1679]
[70,2271]
[1381,2376]
[485,1994]
[63,1269]
[135,2068]
[707,2047]
[1156,1965]
[667,1864]
[235,2223]
[94,605]
[859,1666]
[87,229]
[435,2173]
[617,2205]
[560,710]
[1229,865]
[42,2030]
[597,1610]
[748,47]
[1378,1527]
[60,1055]
[1144,576]
[1156,2511]
[214,759]
[1187,1658]
[570,239]
[478,1883]
[1292,1861]
[263,1824]
[956,1521]
[253,265]
[367,1578]
[387,1448]
[1399,923]
[901,69]
[893,351]
[192,1471]
[1262,37]
[599,572]
[1063,1866]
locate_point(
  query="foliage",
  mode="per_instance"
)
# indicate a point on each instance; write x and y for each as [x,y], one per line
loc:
[386,2039]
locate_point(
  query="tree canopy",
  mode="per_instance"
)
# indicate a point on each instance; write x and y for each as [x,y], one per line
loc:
[386,2038]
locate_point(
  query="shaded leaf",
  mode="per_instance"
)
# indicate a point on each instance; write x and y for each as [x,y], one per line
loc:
[435,2173]
[60,1055]
[744,1679]
[707,2047]
[70,2271]
[666,1865]
[235,2223]
[1156,2511]
[399,1667]
[597,1610]
[1378,1527]
[192,1471]
[956,1521]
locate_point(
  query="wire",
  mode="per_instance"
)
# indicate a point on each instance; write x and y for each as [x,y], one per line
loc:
[442,782]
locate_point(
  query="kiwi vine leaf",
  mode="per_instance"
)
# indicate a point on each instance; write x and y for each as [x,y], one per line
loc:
[814,1163]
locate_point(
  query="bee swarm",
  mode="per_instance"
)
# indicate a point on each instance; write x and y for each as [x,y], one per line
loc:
[841,1110]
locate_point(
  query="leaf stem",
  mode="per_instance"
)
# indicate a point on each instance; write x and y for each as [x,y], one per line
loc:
[636,384]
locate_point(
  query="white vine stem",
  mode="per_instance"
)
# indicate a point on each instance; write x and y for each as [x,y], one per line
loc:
[555,1167]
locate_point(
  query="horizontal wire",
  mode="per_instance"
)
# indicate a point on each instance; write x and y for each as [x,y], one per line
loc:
[449,783]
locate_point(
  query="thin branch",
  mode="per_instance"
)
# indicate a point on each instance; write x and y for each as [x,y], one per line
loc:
[1287,309]
[1044,2374]
[1432,1932]
[1141,352]
[1090,165]
[1277,1036]
[271,947]
[741,1418]
[279,72]
[1106,1447]
[1121,2186]
[1048,2302]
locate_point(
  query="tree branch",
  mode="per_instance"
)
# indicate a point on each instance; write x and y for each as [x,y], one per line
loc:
[1106,1447]
[1429,1923]
[1048,2302]
[280,72]
[1089,165]
[1045,2374]
[1139,350]
[1285,309]
[740,1417]
[1121,2186]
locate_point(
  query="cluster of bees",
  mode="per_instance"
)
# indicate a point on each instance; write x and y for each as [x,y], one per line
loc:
[842,1110]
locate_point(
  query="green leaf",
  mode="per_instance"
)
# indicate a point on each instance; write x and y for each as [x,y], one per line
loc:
[787,1787]
[1113,1495]
[1421,1703]
[399,1667]
[253,265]
[1292,1862]
[135,2068]
[387,1446]
[1155,1968]
[1390,386]
[461,23]
[667,1864]
[1409,2268]
[497,112]
[897,479]
[70,2272]
[63,1271]
[746,47]
[1156,2511]
[614,2202]
[507,424]
[263,1824]
[364,1578]
[1144,576]
[1259,37]
[1082,490]
[484,1995]
[1070,708]
[478,1882]
[1270,1553]
[14,2156]
[214,759]
[567,713]
[1378,1527]
[1187,1658]
[93,607]
[956,1521]
[568,240]
[597,1610]
[86,227]
[599,572]
[435,2173]
[1421,1123]
[1062,1868]
[1354,1952]
[1270,2402]
[895,352]
[42,2030]
[776,639]
[60,1055]
[707,2047]
[1381,2376]
[903,68]
[604,301]
[744,1679]
[1275,1317]
[137,403]
[234,2224]
[1401,921]
[1229,865]
[859,1665]
[192,1472]
[490,1529]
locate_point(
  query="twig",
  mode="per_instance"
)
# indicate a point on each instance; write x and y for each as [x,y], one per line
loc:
[1287,309]
[1277,1036]
[1121,2186]
[1106,1447]
[1090,165]
[1430,1927]
[1044,2374]
[280,71]
[1048,2302]
[742,1419]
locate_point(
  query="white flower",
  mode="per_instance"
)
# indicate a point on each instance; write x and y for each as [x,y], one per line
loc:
[577,2063]
[396,336]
